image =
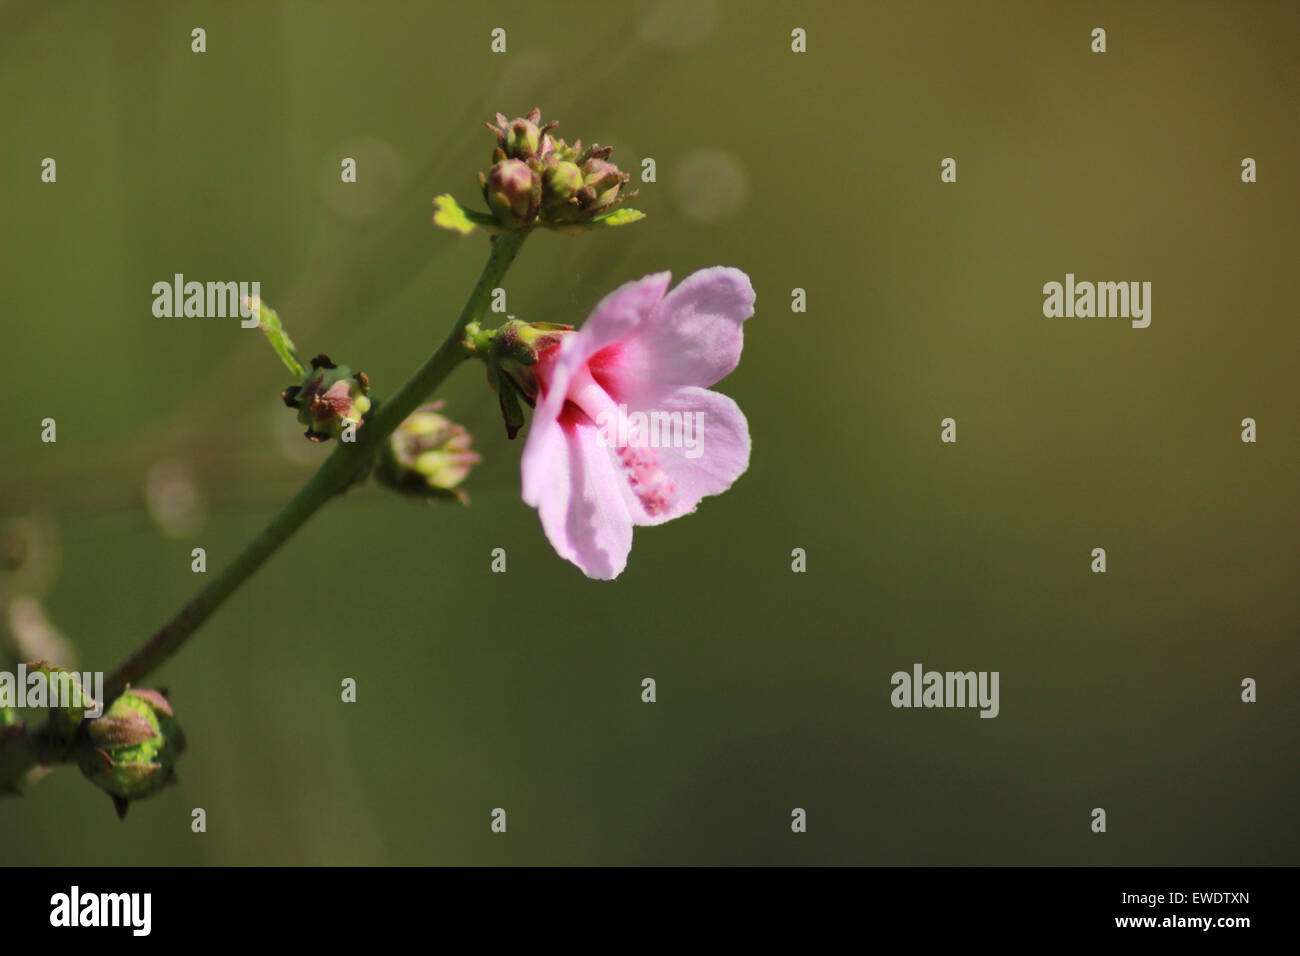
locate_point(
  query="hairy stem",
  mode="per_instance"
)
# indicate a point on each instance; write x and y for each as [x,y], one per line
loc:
[335,474]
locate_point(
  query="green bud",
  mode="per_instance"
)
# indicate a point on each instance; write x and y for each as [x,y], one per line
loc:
[538,179]
[131,751]
[427,456]
[604,179]
[597,189]
[329,397]
[513,193]
[558,151]
[522,137]
[562,181]
[524,342]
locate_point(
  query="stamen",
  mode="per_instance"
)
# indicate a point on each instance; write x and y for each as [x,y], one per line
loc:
[648,481]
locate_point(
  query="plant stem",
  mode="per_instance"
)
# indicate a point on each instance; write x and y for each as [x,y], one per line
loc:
[335,474]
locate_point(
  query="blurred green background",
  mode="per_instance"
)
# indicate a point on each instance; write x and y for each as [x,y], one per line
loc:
[817,170]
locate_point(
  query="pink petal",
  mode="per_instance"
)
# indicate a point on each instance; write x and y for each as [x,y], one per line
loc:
[617,315]
[723,451]
[569,478]
[693,336]
[613,318]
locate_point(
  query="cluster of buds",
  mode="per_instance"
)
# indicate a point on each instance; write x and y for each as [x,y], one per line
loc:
[427,456]
[510,354]
[539,178]
[329,399]
[130,752]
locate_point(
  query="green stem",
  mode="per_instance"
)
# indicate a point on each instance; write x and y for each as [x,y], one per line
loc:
[334,475]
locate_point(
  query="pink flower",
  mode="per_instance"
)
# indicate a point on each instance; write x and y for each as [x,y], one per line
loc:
[626,431]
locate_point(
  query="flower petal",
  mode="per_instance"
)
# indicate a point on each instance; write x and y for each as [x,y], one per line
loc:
[617,315]
[693,336]
[571,481]
[704,455]
[612,320]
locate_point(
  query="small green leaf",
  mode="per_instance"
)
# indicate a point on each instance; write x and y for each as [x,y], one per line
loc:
[619,217]
[510,409]
[450,214]
[269,323]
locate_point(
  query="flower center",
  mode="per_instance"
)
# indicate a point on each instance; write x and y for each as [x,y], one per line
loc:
[649,482]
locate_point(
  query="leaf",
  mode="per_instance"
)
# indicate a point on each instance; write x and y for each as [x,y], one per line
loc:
[619,217]
[269,323]
[450,214]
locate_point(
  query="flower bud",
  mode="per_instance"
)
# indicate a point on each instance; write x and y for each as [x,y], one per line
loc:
[523,137]
[526,341]
[427,456]
[604,179]
[517,346]
[537,179]
[596,189]
[329,398]
[561,152]
[561,183]
[131,751]
[513,192]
